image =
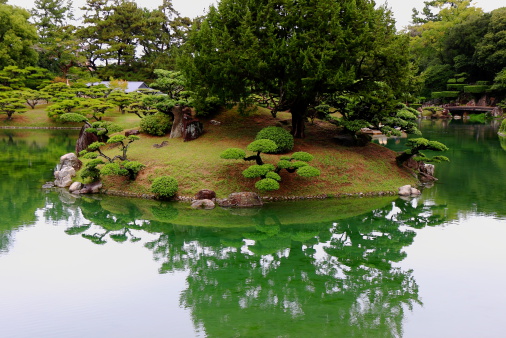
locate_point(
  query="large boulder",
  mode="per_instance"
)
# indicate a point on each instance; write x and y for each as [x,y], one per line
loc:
[241,200]
[70,160]
[407,190]
[69,164]
[63,177]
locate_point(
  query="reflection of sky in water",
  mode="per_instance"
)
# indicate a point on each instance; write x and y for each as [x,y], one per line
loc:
[460,271]
[75,282]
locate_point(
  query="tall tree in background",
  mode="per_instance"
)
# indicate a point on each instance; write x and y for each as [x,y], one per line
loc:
[96,11]
[445,46]
[17,37]
[58,47]
[491,50]
[295,50]
[163,33]
[112,31]
[123,40]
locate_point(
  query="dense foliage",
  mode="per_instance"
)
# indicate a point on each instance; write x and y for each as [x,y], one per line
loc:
[282,138]
[158,124]
[293,52]
[459,47]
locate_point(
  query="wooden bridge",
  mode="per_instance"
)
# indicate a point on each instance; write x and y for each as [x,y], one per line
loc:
[459,110]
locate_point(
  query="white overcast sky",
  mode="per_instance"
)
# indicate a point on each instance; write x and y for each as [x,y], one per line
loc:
[192,8]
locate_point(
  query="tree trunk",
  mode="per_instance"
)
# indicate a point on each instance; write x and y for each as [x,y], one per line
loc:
[298,111]
[177,124]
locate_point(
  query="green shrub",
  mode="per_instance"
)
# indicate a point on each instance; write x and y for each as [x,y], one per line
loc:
[445,94]
[302,156]
[157,124]
[233,154]
[273,175]
[90,170]
[263,145]
[476,89]
[308,171]
[126,168]
[113,169]
[280,136]
[164,186]
[209,105]
[258,170]
[267,184]
[456,86]
[133,168]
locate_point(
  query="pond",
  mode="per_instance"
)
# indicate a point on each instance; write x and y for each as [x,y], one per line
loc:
[105,266]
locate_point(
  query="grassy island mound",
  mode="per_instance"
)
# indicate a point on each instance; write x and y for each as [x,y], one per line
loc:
[197,164]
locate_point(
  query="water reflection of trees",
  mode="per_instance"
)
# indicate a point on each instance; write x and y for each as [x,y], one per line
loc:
[271,279]
[26,161]
[472,182]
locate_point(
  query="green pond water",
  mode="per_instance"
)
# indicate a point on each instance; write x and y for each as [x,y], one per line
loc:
[102,266]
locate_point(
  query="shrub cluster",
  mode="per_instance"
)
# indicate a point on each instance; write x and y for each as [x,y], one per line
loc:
[280,136]
[157,124]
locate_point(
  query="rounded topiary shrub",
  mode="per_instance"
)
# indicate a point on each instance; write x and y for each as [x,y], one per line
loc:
[280,136]
[157,124]
[267,184]
[164,186]
[308,171]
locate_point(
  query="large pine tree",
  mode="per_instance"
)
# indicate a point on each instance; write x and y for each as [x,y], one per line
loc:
[294,50]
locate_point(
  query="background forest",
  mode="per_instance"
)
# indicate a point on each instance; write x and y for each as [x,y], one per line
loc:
[452,52]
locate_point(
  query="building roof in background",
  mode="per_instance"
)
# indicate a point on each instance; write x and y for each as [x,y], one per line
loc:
[132,86]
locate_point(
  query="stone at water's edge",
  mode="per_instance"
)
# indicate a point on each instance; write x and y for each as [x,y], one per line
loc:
[203,204]
[241,200]
[63,177]
[91,188]
[70,160]
[75,186]
[69,164]
[408,190]
[205,194]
